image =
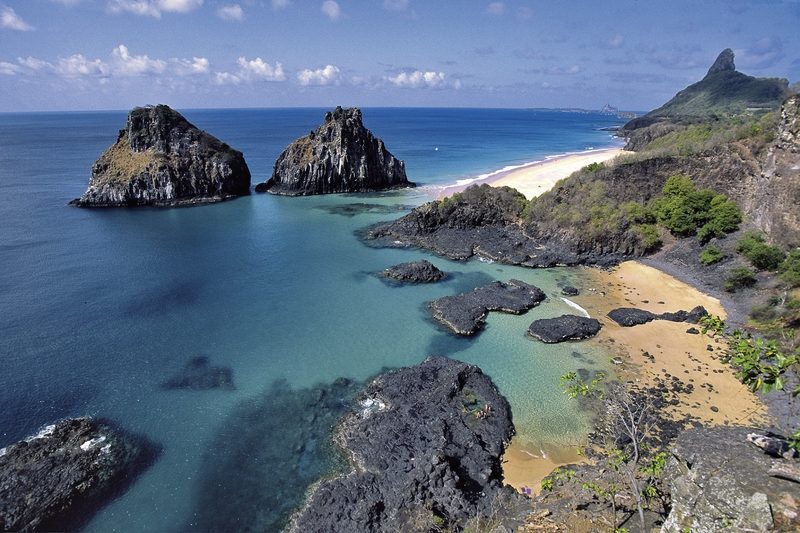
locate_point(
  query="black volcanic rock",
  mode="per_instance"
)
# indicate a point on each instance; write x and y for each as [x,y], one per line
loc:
[414,272]
[570,291]
[161,159]
[630,316]
[55,480]
[564,328]
[339,156]
[465,314]
[425,446]
[198,374]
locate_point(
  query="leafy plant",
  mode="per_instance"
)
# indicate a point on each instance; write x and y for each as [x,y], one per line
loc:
[790,268]
[710,255]
[594,167]
[739,278]
[574,386]
[761,255]
[712,323]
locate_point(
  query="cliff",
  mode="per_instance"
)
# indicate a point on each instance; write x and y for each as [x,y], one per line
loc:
[341,155]
[161,159]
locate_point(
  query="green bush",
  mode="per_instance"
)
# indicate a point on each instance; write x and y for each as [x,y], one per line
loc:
[684,210]
[761,255]
[594,167]
[790,268]
[740,278]
[710,255]
[648,236]
[724,216]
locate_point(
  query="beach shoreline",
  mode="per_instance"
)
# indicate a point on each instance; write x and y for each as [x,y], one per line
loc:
[535,177]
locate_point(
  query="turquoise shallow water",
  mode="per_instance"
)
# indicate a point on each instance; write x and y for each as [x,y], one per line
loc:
[100,306]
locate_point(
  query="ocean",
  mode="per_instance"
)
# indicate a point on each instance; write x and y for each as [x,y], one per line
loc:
[99,307]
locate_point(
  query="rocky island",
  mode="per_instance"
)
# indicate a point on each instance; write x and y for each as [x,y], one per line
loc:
[340,156]
[161,159]
[421,271]
[425,446]
[56,479]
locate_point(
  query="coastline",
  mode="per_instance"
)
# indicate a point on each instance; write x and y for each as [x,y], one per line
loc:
[648,353]
[535,177]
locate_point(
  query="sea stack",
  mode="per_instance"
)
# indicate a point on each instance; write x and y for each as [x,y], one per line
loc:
[339,156]
[161,159]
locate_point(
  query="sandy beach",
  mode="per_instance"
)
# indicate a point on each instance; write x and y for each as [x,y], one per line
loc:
[536,178]
[658,349]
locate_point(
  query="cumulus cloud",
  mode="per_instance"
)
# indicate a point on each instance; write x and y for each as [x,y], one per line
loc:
[418,79]
[153,8]
[331,9]
[187,67]
[128,65]
[496,8]
[10,20]
[78,66]
[232,12]
[327,75]
[251,70]
[395,5]
[9,69]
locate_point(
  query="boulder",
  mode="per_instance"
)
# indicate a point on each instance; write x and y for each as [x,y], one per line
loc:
[629,316]
[465,314]
[719,481]
[198,374]
[56,479]
[339,156]
[414,272]
[569,291]
[160,159]
[564,328]
[425,445]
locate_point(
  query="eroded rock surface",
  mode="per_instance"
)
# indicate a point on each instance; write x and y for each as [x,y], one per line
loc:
[425,445]
[564,328]
[465,314]
[161,159]
[339,156]
[414,272]
[56,479]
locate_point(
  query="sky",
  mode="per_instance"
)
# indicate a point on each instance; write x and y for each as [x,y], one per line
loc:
[633,54]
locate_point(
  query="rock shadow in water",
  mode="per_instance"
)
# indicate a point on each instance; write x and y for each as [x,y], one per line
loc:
[266,454]
[362,208]
[163,299]
[198,374]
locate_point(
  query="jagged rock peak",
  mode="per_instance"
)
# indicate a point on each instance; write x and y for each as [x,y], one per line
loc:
[723,63]
[161,159]
[341,155]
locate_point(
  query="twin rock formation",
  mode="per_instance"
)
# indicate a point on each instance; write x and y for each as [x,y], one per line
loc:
[161,159]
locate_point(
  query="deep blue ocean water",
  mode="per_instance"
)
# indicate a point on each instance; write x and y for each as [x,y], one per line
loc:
[98,307]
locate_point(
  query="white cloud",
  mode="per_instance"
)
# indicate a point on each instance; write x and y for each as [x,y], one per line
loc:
[251,70]
[328,75]
[280,4]
[153,8]
[189,67]
[33,63]
[9,19]
[331,9]
[395,5]
[9,69]
[232,12]
[77,65]
[496,8]
[226,78]
[68,3]
[419,79]
[616,41]
[128,65]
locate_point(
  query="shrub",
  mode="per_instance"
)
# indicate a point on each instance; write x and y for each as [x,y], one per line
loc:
[594,167]
[710,255]
[790,268]
[648,236]
[761,255]
[684,210]
[724,216]
[740,278]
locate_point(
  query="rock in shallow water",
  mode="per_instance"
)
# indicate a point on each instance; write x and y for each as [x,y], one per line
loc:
[161,159]
[58,478]
[415,272]
[426,445]
[198,374]
[465,314]
[564,328]
[339,156]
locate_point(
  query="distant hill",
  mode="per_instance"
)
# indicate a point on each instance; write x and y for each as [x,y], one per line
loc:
[723,92]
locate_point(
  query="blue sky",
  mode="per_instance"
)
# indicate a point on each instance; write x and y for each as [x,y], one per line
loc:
[115,54]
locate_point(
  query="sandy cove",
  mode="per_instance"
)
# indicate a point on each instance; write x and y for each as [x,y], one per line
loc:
[536,178]
[648,351]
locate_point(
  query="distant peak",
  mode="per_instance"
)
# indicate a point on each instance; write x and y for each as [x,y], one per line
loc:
[723,63]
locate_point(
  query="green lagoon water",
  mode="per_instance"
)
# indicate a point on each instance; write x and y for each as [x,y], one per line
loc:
[101,306]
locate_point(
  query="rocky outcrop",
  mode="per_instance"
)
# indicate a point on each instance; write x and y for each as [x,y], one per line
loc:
[339,156]
[569,291]
[630,316]
[55,480]
[198,374]
[414,272]
[718,481]
[425,445]
[465,314]
[161,159]
[564,328]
